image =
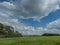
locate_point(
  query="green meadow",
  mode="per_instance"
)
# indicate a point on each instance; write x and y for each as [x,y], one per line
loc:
[43,40]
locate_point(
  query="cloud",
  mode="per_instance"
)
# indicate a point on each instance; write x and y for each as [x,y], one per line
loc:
[54,27]
[6,15]
[7,5]
[35,9]
[29,30]
[6,9]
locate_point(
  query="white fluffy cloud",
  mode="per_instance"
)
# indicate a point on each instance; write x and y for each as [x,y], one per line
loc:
[54,27]
[7,5]
[6,9]
[29,30]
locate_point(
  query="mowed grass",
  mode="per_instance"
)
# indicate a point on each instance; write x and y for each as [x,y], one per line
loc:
[42,40]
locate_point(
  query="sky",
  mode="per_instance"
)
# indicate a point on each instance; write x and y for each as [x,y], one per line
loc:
[31,17]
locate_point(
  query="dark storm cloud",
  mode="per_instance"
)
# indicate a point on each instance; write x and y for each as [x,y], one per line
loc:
[35,8]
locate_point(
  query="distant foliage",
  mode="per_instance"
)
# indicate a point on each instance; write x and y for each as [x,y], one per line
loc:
[50,34]
[8,31]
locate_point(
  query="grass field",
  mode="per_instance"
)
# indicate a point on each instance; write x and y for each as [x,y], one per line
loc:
[43,40]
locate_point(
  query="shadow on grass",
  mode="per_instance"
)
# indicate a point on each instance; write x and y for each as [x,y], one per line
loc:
[57,43]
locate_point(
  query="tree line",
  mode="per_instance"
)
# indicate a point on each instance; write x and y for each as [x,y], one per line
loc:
[8,31]
[50,34]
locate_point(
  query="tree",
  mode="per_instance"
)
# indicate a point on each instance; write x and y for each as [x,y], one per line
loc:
[1,26]
[18,34]
[8,31]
